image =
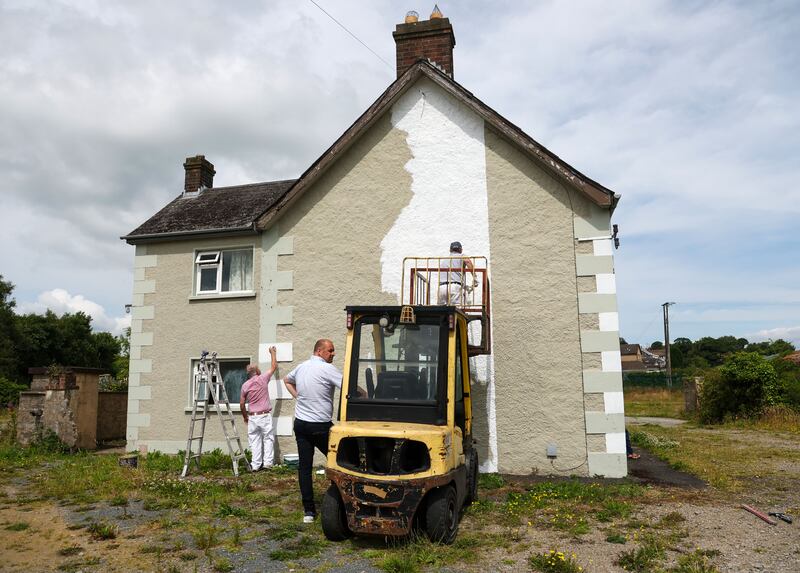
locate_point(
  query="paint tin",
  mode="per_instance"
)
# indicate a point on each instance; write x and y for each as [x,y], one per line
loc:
[291,460]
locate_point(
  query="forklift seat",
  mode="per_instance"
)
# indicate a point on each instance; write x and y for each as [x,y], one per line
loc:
[393,385]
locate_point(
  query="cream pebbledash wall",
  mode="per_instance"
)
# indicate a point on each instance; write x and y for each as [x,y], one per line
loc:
[169,327]
[335,229]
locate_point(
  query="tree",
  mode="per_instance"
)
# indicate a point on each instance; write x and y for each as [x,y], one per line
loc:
[714,350]
[122,361]
[8,361]
[745,384]
[657,344]
[771,347]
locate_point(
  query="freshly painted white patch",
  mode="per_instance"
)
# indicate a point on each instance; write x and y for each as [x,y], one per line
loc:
[614,402]
[283,425]
[611,360]
[615,443]
[449,199]
[609,321]
[283,352]
[606,283]
[278,391]
[602,247]
[448,169]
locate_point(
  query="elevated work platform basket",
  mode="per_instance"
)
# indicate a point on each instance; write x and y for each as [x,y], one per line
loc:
[460,281]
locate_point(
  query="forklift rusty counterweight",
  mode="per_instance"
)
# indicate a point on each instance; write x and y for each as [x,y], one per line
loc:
[403,454]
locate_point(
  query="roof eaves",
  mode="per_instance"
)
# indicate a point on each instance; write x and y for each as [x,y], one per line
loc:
[193,234]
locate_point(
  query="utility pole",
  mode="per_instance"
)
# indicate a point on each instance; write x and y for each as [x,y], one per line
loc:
[666,306]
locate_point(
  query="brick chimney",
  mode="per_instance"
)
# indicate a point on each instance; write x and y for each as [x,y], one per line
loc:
[199,173]
[428,40]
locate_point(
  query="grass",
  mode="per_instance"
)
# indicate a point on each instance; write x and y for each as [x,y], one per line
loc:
[723,458]
[658,402]
[216,510]
[18,526]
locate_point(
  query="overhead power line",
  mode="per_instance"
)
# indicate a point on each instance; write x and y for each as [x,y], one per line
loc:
[343,27]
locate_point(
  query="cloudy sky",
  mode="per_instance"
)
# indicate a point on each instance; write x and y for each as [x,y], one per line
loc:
[688,109]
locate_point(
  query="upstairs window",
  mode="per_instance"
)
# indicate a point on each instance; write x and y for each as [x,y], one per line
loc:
[224,271]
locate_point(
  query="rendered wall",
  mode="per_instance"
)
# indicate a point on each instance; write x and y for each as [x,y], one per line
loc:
[170,327]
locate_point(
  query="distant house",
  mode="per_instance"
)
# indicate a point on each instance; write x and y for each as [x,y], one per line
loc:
[794,357]
[638,359]
[240,268]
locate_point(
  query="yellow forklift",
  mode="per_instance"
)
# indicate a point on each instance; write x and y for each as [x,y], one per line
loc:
[402,455]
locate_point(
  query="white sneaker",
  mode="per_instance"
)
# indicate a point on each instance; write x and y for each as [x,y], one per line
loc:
[308,519]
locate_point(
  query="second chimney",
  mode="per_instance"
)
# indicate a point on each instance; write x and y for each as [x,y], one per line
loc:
[428,40]
[199,173]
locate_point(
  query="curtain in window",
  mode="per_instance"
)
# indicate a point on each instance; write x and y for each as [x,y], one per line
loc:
[234,374]
[238,271]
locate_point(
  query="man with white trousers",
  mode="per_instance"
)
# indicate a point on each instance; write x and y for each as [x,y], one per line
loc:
[255,393]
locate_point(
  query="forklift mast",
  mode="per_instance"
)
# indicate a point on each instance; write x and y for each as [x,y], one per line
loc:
[458,281]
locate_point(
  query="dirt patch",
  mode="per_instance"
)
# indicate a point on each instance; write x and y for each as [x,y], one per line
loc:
[37,536]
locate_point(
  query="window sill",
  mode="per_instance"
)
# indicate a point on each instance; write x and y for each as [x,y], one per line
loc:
[215,296]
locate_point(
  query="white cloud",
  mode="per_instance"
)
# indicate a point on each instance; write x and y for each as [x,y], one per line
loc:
[61,302]
[788,333]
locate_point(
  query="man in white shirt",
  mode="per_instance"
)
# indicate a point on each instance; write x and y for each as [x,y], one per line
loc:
[313,384]
[451,283]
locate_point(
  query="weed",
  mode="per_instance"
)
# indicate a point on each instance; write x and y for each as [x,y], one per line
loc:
[70,550]
[79,565]
[642,559]
[672,519]
[100,531]
[554,561]
[490,481]
[304,547]
[236,538]
[695,562]
[187,556]
[399,563]
[206,537]
[18,526]
[157,549]
[285,531]
[227,510]
[118,501]
[613,509]
[616,538]
[223,564]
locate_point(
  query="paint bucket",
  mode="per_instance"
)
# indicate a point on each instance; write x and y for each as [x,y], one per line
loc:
[291,460]
[129,461]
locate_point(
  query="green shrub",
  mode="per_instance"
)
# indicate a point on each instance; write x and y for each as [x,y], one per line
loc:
[9,392]
[741,387]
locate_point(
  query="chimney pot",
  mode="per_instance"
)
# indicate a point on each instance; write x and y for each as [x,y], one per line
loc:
[412,17]
[199,173]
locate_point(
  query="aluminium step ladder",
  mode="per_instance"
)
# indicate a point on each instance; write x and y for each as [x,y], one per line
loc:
[209,387]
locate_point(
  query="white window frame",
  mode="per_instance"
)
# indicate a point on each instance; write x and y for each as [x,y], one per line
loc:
[207,259]
[193,390]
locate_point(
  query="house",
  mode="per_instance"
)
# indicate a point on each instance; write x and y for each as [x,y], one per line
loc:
[638,359]
[240,268]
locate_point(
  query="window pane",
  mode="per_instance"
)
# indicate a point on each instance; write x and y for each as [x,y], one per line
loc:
[237,271]
[234,373]
[398,365]
[208,278]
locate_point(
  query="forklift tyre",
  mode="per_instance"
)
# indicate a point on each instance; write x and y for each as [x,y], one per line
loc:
[472,478]
[441,515]
[334,518]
